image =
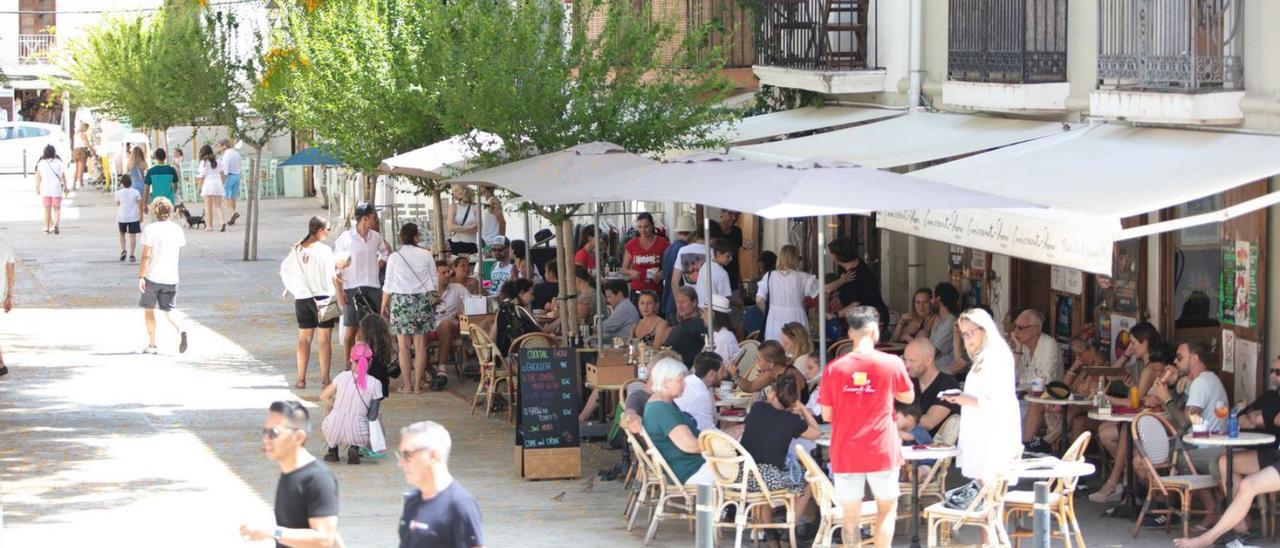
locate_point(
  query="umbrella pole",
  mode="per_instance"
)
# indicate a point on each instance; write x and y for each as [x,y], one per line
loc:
[822,295]
[595,208]
[706,262]
[528,246]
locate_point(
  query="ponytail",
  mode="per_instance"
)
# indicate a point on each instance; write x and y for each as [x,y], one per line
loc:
[314,226]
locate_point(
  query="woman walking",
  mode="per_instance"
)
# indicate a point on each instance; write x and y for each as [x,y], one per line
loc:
[137,166]
[782,293]
[351,395]
[51,185]
[990,422]
[209,179]
[409,303]
[308,273]
[82,154]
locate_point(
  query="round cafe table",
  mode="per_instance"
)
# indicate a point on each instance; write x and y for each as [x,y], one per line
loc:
[1048,469]
[911,455]
[1126,422]
[1066,430]
[1246,439]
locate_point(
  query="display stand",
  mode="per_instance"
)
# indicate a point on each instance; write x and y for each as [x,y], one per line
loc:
[548,444]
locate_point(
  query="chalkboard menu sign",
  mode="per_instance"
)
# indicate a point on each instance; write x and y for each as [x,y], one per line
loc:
[548,398]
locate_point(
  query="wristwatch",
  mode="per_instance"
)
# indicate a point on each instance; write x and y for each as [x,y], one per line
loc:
[278,534]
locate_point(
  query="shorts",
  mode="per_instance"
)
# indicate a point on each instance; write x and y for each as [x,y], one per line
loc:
[158,295]
[360,301]
[412,314]
[130,228]
[308,314]
[51,201]
[233,186]
[462,248]
[1269,456]
[850,488]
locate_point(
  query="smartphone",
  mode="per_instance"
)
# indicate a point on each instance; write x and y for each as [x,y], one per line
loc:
[950,392]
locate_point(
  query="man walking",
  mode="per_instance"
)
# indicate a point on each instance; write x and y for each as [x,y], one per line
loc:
[439,512]
[8,270]
[161,180]
[363,254]
[307,492]
[857,395]
[162,242]
[232,164]
[728,231]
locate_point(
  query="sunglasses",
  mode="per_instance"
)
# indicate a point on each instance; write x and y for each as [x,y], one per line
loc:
[1275,371]
[273,433]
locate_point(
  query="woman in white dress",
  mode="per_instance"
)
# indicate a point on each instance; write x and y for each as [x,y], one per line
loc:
[211,187]
[990,422]
[351,394]
[782,293]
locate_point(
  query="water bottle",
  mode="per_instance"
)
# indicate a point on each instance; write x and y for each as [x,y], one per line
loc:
[1233,424]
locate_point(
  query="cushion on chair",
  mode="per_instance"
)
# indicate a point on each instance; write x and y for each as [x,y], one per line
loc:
[1190,482]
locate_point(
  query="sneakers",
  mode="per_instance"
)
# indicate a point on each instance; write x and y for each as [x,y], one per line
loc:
[182,344]
[133,259]
[1038,445]
[123,254]
[1103,496]
[150,350]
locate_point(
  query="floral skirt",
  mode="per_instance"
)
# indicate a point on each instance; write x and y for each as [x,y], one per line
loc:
[775,479]
[412,314]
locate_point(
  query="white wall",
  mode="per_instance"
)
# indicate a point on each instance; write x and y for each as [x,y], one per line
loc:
[8,32]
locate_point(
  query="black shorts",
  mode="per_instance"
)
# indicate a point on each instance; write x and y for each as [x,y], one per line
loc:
[157,295]
[308,314]
[1269,456]
[360,301]
[130,228]
[462,248]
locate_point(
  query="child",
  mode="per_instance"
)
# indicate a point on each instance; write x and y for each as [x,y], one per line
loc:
[375,333]
[129,216]
[908,419]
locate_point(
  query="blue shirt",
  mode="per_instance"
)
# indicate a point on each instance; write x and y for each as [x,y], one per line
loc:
[668,266]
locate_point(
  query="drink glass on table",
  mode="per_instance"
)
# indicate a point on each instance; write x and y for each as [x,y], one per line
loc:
[1221,411]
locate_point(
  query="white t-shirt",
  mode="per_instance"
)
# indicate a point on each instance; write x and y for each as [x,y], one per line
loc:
[689,254]
[230,162]
[719,283]
[365,253]
[726,344]
[6,257]
[308,272]
[490,225]
[1206,392]
[499,275]
[128,199]
[53,175]
[165,238]
[410,270]
[451,302]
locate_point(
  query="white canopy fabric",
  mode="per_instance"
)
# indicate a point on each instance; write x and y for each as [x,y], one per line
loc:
[770,189]
[532,177]
[443,159]
[1092,178]
[775,124]
[910,139]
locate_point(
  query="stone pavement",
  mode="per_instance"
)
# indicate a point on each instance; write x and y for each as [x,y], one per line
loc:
[101,443]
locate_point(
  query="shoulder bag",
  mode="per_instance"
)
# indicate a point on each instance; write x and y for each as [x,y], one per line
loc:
[327,310]
[373,412]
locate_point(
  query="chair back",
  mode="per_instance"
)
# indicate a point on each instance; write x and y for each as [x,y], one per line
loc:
[486,351]
[839,348]
[949,432]
[732,467]
[628,388]
[531,340]
[748,351]
[1074,453]
[1154,438]
[659,467]
[824,493]
[647,469]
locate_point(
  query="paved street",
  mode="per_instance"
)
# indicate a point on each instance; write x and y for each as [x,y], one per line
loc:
[101,443]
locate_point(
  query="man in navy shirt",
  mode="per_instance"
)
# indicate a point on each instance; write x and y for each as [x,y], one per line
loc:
[439,512]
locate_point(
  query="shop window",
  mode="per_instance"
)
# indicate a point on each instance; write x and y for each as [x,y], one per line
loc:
[1197,266]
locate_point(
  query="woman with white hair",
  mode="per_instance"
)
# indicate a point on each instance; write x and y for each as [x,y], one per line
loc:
[674,433]
[990,423]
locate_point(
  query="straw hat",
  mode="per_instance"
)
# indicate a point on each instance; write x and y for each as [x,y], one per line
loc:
[685,223]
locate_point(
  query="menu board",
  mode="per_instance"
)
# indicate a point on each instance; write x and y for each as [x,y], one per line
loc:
[548,398]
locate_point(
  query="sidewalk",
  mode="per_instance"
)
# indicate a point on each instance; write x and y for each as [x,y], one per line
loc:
[104,443]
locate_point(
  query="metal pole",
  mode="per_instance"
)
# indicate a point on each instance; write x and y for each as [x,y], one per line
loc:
[706,263]
[1040,531]
[706,535]
[528,246]
[822,295]
[595,207]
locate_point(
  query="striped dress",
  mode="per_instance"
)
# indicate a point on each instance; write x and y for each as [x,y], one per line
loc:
[346,423]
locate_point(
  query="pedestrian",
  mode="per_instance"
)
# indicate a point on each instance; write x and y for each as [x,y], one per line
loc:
[162,243]
[463,221]
[137,165]
[409,301]
[51,186]
[375,333]
[231,164]
[309,274]
[350,397]
[439,512]
[8,270]
[642,256]
[362,254]
[81,154]
[495,222]
[306,504]
[210,178]
[161,180]
[684,229]
[857,395]
[855,284]
[990,422]
[179,160]
[128,216]
[727,230]
[782,293]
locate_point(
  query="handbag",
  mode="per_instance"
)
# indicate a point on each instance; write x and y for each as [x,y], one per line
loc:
[393,370]
[326,309]
[963,497]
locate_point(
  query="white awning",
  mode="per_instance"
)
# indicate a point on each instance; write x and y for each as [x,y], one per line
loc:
[911,139]
[1092,178]
[442,159]
[775,124]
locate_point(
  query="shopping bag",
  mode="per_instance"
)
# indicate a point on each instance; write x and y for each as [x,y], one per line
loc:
[377,439]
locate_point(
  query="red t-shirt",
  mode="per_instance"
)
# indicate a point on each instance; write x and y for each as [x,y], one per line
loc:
[585,258]
[643,260]
[860,389]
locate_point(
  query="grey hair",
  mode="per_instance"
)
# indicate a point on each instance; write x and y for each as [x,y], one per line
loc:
[225,142]
[432,435]
[689,292]
[665,370]
[1036,315]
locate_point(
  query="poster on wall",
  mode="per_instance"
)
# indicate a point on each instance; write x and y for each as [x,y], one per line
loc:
[1228,351]
[978,265]
[1239,284]
[956,257]
[1120,327]
[1066,280]
[1104,333]
[1062,328]
[1125,278]
[1246,357]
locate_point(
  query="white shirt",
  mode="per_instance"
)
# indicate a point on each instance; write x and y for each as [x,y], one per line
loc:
[696,401]
[165,238]
[451,302]
[308,272]
[410,270]
[1206,392]
[498,275]
[53,175]
[128,199]
[365,254]
[464,215]
[6,258]
[231,162]
[689,254]
[490,225]
[719,283]
[1045,364]
[726,344]
[211,175]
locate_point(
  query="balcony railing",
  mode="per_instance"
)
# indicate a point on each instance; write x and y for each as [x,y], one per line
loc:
[1171,45]
[1007,41]
[813,34]
[35,49]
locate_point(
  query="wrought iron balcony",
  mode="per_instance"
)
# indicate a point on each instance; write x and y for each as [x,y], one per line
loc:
[1007,41]
[813,34]
[1171,45]
[35,49]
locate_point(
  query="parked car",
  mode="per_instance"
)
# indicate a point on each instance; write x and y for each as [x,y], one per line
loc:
[31,138]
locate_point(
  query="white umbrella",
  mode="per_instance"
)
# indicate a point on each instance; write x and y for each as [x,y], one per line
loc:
[533,178]
[443,159]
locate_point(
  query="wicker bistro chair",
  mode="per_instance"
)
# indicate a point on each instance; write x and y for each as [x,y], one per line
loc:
[632,461]
[1160,449]
[748,351]
[830,512]
[1062,506]
[985,511]
[933,484]
[671,499]
[839,348]
[493,372]
[531,340]
[734,470]
[646,487]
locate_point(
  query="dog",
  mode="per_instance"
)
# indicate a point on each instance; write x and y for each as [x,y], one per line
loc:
[193,221]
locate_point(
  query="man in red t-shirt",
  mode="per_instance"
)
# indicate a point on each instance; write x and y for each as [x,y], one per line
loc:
[857,395]
[642,256]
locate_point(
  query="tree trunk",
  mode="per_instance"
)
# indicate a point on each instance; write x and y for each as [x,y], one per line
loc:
[568,308]
[257,203]
[437,204]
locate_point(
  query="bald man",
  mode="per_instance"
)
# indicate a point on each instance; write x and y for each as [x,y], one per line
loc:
[929,382]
